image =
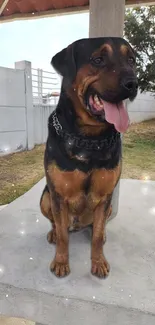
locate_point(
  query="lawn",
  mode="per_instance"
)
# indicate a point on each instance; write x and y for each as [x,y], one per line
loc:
[139,151]
[20,171]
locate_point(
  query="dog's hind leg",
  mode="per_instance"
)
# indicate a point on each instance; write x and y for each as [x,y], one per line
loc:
[45,206]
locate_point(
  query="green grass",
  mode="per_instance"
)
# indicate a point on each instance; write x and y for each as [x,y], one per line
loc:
[20,171]
[139,151]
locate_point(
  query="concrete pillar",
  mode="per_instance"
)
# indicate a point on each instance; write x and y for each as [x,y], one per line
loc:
[26,66]
[106,18]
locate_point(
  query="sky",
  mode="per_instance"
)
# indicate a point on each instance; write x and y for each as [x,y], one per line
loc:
[39,39]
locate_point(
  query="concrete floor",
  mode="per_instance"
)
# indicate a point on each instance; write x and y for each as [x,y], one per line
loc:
[29,290]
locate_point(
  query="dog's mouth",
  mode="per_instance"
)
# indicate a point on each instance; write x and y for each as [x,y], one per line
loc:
[101,110]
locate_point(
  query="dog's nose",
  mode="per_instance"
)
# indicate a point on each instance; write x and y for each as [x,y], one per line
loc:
[130,85]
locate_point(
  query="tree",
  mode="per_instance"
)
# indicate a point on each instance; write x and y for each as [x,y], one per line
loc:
[140,32]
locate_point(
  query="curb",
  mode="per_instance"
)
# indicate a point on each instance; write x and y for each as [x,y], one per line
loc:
[3,206]
[15,321]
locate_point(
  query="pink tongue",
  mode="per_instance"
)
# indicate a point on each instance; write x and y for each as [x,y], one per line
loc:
[115,114]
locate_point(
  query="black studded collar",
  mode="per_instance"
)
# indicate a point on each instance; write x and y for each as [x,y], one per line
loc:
[97,143]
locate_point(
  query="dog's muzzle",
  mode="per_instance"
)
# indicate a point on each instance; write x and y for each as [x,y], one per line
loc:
[129,87]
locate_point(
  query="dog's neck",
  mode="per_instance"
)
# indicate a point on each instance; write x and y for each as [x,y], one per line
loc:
[82,151]
[64,120]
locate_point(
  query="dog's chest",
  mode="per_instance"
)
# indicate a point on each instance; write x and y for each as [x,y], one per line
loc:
[83,191]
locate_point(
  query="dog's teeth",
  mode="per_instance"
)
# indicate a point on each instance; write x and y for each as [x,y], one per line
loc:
[96,99]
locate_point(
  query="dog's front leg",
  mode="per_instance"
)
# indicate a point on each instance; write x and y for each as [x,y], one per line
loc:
[100,266]
[60,264]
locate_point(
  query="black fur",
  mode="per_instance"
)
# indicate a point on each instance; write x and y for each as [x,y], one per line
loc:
[46,189]
[67,63]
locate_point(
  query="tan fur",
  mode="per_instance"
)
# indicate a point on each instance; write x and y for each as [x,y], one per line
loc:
[70,186]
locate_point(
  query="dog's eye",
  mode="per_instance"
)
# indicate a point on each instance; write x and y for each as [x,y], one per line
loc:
[98,60]
[131,60]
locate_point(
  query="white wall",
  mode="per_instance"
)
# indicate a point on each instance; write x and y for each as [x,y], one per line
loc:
[22,123]
[41,114]
[12,111]
[142,108]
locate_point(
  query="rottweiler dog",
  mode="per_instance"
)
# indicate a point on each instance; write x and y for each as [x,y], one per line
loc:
[83,151]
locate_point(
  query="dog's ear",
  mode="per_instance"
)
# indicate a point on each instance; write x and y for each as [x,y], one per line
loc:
[64,62]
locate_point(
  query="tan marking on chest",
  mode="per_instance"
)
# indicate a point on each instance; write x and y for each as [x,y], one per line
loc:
[104,181]
[70,185]
[67,184]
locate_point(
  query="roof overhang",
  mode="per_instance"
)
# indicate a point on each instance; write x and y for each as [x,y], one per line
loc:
[27,9]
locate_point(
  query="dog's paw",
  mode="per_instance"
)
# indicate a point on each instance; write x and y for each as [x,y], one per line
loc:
[60,269]
[51,237]
[100,268]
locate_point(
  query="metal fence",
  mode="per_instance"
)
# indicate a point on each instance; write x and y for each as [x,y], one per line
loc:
[45,94]
[45,87]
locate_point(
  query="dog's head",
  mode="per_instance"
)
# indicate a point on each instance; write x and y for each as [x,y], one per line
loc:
[101,73]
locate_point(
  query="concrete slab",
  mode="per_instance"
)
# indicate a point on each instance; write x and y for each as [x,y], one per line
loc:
[29,290]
